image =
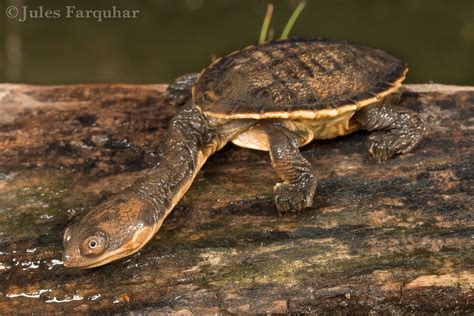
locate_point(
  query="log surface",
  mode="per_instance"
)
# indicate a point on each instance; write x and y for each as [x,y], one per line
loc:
[394,237]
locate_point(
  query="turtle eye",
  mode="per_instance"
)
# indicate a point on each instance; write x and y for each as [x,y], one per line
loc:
[93,245]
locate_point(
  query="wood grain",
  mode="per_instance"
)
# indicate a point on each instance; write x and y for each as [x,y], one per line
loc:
[385,238]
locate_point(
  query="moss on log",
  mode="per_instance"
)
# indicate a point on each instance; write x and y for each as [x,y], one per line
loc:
[390,238]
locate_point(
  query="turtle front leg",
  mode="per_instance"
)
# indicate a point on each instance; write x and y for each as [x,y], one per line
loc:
[180,91]
[296,192]
[397,130]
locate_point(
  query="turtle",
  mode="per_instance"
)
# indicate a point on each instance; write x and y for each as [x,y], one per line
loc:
[275,97]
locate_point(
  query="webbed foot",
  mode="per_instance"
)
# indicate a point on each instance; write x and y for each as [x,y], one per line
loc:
[299,183]
[294,197]
[385,144]
[396,130]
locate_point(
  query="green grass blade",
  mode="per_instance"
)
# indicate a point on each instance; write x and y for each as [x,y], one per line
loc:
[266,23]
[292,20]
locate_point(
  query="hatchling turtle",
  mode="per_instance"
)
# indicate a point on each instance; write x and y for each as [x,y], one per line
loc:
[275,97]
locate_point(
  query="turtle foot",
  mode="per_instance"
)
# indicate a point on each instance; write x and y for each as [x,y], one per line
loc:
[403,139]
[294,197]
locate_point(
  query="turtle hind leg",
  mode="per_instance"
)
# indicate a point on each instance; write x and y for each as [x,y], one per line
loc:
[396,130]
[296,192]
[180,91]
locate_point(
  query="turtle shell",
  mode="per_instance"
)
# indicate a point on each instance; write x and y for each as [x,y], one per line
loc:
[295,78]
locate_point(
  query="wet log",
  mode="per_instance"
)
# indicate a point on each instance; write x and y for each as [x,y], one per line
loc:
[387,238]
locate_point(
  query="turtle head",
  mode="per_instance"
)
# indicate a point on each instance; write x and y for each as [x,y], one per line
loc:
[113,230]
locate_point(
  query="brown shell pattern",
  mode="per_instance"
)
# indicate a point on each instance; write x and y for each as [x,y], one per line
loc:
[296,75]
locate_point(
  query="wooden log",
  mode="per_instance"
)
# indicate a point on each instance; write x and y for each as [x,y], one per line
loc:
[386,238]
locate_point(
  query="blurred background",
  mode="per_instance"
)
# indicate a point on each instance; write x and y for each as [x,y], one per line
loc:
[173,37]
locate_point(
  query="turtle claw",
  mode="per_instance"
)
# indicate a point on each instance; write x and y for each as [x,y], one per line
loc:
[380,146]
[385,144]
[292,198]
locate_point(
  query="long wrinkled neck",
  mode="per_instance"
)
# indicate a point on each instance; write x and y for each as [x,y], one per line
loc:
[189,141]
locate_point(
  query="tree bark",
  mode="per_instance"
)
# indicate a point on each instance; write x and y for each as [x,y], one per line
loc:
[389,238]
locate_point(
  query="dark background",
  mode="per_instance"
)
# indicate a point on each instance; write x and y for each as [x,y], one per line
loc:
[172,37]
